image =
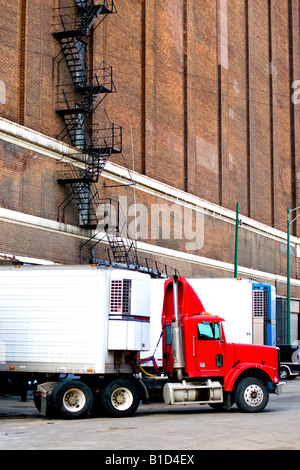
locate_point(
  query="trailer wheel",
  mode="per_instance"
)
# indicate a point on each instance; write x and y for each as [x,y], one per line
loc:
[119,398]
[72,399]
[251,395]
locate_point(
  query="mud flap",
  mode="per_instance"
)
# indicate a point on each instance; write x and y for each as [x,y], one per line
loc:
[44,391]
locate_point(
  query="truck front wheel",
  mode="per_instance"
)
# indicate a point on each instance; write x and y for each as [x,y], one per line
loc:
[72,399]
[251,395]
[119,398]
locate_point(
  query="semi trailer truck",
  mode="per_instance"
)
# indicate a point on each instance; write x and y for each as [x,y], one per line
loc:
[75,334]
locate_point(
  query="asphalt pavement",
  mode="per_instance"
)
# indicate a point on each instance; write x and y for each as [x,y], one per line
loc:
[156,428]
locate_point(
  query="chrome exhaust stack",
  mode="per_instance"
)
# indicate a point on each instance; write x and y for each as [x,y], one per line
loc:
[177,340]
[182,392]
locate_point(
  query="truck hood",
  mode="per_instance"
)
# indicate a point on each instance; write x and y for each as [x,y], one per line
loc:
[255,354]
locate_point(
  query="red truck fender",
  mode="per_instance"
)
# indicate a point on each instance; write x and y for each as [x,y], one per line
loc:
[254,370]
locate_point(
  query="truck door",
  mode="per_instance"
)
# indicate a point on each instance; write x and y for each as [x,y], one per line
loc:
[209,348]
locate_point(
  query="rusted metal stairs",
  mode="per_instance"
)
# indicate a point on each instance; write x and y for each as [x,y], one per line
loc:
[78,21]
[122,251]
[76,104]
[122,248]
[82,181]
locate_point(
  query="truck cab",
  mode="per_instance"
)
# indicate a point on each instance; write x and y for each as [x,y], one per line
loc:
[246,373]
[204,341]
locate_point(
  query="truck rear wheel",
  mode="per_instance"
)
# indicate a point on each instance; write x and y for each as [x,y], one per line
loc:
[72,399]
[251,395]
[119,398]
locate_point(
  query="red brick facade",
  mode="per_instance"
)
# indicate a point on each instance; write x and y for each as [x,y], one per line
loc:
[204,97]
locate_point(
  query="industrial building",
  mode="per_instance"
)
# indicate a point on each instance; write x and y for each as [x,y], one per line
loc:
[131,129]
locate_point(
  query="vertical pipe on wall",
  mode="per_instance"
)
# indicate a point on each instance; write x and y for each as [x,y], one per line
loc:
[288,277]
[22,60]
[236,254]
[223,100]
[271,107]
[292,115]
[185,96]
[248,148]
[143,85]
[219,95]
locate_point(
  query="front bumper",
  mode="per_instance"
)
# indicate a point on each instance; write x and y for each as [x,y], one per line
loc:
[278,388]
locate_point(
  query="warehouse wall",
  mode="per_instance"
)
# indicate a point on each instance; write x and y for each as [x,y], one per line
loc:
[204,96]
[206,89]
[202,86]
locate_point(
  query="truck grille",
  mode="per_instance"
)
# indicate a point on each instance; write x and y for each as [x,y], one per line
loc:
[278,361]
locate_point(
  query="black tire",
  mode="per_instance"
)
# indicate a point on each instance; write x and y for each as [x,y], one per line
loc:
[219,406]
[72,399]
[119,398]
[251,395]
[284,373]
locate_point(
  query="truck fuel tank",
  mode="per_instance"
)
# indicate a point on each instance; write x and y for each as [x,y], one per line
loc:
[196,392]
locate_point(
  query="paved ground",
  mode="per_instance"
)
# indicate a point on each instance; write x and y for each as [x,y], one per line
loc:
[157,427]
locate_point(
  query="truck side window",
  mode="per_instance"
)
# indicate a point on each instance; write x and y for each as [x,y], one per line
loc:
[208,331]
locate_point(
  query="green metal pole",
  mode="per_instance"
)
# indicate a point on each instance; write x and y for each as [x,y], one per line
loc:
[236,240]
[288,278]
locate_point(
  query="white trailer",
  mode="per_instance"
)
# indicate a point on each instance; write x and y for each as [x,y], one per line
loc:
[248,306]
[82,320]
[68,320]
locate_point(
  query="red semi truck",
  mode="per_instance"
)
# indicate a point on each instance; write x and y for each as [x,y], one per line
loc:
[76,333]
[207,367]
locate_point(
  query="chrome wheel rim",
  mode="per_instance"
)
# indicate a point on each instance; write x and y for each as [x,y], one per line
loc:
[253,395]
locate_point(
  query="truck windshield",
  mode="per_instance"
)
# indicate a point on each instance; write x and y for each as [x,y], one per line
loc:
[208,331]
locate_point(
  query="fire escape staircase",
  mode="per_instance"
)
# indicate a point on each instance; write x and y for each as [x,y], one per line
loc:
[112,225]
[82,181]
[77,102]
[122,251]
[77,22]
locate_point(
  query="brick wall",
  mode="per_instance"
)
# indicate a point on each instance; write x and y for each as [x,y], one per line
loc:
[218,123]
[204,98]
[198,105]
